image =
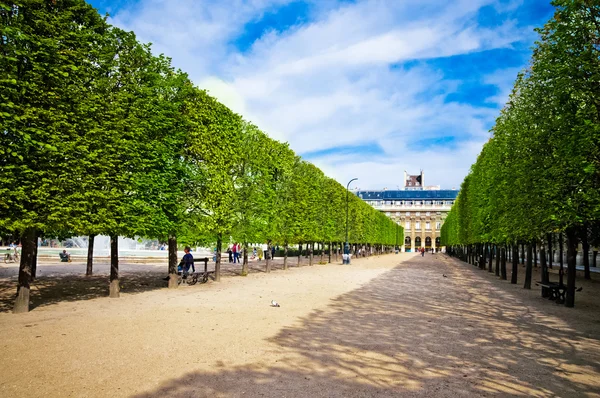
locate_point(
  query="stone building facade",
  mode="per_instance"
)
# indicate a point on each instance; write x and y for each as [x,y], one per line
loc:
[420,209]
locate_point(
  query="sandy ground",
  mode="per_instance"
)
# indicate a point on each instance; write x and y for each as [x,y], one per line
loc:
[384,326]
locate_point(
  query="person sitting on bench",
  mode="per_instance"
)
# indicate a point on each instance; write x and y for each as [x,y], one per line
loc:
[185,264]
[187,261]
[65,257]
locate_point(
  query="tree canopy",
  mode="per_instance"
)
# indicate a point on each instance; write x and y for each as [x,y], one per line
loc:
[100,136]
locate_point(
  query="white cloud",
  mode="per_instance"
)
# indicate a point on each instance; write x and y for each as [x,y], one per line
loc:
[504,80]
[330,81]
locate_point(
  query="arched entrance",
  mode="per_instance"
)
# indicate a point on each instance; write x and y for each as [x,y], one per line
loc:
[437,242]
[428,242]
[418,242]
[407,244]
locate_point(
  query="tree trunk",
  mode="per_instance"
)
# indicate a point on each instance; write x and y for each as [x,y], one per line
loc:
[311,248]
[218,258]
[27,251]
[34,259]
[299,253]
[172,267]
[522,253]
[114,267]
[483,256]
[322,252]
[529,269]
[503,264]
[535,257]
[245,260]
[571,266]
[515,264]
[561,260]
[336,247]
[561,251]
[585,246]
[550,253]
[268,257]
[594,258]
[491,259]
[545,276]
[285,255]
[329,252]
[89,269]
[498,252]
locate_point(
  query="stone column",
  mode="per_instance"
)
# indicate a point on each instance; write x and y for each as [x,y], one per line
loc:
[412,234]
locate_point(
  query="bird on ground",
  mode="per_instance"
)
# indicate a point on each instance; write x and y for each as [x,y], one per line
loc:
[580,289]
[274,303]
[444,275]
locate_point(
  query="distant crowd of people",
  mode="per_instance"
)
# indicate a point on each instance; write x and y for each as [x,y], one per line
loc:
[236,251]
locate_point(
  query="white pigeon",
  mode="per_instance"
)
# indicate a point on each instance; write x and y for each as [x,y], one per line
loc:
[274,303]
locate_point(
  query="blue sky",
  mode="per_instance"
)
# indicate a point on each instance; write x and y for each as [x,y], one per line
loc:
[362,88]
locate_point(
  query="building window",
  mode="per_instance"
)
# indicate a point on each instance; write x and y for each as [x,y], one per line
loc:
[407,225]
[408,213]
[387,213]
[438,225]
[418,213]
[427,225]
[428,214]
[418,202]
[418,225]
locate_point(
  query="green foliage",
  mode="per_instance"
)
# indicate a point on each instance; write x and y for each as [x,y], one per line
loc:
[99,136]
[539,173]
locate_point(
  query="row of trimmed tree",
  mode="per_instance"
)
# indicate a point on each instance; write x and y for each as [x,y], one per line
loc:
[537,179]
[99,136]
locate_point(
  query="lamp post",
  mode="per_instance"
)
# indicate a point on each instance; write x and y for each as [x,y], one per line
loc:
[347,245]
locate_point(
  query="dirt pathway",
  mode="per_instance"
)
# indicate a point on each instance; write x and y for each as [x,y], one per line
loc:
[375,328]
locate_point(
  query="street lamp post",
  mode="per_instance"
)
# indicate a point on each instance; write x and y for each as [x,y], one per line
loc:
[347,245]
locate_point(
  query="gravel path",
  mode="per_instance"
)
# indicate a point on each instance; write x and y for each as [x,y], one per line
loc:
[384,326]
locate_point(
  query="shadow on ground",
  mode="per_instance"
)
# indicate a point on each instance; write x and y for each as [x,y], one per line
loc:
[414,332]
[67,281]
[52,289]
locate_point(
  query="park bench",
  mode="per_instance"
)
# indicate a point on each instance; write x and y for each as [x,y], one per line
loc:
[554,291]
[196,277]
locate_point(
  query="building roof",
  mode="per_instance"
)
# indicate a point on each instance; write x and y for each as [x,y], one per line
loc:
[448,194]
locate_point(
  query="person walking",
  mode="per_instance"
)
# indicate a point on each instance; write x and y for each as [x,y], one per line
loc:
[230,253]
[236,255]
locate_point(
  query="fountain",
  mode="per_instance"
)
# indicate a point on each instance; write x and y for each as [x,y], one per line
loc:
[139,247]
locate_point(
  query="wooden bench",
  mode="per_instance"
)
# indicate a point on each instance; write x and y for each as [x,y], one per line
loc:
[554,291]
[201,277]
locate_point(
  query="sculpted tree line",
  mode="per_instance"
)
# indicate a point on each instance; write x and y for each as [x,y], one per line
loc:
[99,136]
[536,183]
